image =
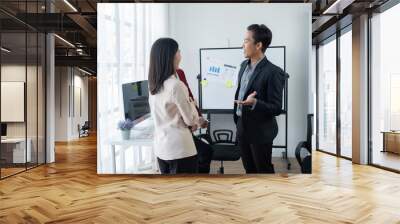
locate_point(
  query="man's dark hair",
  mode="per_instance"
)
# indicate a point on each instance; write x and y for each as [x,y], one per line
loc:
[261,33]
[161,67]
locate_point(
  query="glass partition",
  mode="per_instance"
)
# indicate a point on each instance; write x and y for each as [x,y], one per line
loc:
[327,96]
[22,77]
[346,94]
[385,89]
[14,153]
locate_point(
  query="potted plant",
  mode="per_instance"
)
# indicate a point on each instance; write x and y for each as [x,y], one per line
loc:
[125,126]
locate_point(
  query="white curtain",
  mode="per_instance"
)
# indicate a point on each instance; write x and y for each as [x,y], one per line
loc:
[126,32]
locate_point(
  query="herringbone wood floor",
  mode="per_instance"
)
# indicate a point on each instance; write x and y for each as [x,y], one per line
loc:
[70,191]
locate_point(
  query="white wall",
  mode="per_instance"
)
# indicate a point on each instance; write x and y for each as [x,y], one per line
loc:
[68,80]
[61,103]
[14,73]
[82,83]
[33,126]
[197,26]
[17,73]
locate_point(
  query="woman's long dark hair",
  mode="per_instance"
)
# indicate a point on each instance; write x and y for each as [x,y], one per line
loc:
[161,63]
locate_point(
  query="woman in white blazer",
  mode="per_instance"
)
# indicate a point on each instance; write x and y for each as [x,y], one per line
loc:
[173,112]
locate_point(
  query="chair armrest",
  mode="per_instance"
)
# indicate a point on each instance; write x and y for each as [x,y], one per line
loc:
[206,137]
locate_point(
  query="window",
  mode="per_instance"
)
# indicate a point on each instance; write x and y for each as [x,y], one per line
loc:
[394,101]
[327,96]
[346,94]
[385,88]
[127,33]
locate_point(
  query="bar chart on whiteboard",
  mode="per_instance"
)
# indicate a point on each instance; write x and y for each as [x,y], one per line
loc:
[219,74]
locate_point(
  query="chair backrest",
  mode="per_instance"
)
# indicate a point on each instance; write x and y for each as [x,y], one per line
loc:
[223,136]
[86,124]
[221,127]
[310,120]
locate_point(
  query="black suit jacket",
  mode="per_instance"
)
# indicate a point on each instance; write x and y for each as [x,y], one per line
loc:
[259,125]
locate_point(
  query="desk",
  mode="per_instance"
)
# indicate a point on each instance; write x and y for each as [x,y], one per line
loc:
[391,142]
[18,152]
[141,136]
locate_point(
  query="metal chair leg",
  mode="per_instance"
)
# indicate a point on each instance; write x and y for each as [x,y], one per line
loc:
[221,169]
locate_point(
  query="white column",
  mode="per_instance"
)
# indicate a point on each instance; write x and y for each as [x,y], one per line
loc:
[50,93]
[360,90]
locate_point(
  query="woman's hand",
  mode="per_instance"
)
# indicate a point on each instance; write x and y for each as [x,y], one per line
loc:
[194,127]
[203,122]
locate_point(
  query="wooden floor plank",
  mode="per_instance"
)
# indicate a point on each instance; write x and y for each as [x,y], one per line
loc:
[70,191]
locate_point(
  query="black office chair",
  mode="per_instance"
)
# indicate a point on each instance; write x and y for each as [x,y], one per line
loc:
[84,130]
[224,148]
[306,162]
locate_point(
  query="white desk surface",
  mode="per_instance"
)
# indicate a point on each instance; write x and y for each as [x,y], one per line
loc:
[13,140]
[19,153]
[141,135]
[132,141]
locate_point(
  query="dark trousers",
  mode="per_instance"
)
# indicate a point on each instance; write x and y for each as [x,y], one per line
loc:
[256,158]
[204,155]
[176,166]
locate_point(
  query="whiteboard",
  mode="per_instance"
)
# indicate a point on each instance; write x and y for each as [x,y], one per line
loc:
[12,101]
[219,68]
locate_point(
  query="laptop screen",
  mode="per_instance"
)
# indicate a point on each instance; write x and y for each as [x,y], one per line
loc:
[3,129]
[136,100]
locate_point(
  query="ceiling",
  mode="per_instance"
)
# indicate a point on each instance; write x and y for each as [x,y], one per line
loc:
[76,22]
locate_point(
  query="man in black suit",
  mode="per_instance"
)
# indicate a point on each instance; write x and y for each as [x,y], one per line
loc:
[258,100]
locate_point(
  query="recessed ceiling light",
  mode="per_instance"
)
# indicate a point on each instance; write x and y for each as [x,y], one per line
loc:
[64,40]
[338,6]
[84,71]
[5,50]
[70,5]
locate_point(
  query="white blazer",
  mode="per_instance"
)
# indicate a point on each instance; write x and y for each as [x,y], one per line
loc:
[172,112]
